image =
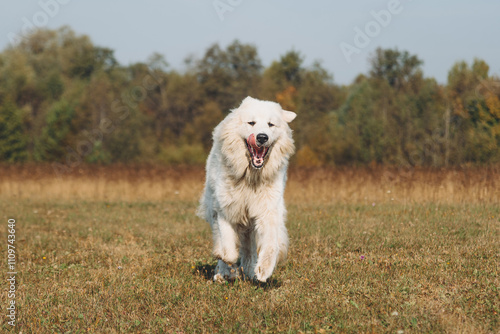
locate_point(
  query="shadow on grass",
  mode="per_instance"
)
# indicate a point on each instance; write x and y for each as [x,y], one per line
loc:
[207,271]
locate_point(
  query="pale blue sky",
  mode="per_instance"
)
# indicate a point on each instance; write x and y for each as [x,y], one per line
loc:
[439,32]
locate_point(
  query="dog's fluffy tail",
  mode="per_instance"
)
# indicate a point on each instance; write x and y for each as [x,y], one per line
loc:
[283,244]
[201,210]
[205,208]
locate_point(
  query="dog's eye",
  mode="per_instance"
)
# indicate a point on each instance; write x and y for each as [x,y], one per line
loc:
[251,123]
[270,124]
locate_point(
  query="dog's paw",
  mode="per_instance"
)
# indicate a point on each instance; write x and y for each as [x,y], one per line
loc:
[218,278]
[266,264]
[262,273]
[226,272]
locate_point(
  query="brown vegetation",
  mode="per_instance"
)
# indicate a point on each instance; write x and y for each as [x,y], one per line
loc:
[314,185]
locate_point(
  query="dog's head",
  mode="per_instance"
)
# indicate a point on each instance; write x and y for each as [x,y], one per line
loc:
[261,125]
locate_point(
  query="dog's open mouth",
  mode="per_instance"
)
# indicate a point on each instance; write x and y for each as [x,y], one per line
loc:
[257,153]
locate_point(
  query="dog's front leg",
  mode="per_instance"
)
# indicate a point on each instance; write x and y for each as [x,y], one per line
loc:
[226,251]
[267,248]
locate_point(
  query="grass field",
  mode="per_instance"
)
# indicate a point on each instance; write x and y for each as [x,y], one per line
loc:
[111,250]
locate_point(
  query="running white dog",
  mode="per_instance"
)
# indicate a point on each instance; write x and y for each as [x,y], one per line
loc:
[245,182]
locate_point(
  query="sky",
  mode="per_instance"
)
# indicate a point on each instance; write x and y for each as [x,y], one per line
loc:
[342,35]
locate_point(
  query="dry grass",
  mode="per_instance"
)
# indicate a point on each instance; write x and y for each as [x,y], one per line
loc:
[111,250]
[357,185]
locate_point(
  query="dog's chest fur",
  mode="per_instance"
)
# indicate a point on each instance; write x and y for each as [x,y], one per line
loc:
[247,199]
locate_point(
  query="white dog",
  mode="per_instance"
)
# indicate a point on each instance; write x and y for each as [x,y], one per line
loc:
[245,182]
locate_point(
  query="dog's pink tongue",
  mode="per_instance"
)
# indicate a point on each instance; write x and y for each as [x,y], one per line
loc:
[259,151]
[251,140]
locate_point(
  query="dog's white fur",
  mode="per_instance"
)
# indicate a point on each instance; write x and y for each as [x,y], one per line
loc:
[243,204]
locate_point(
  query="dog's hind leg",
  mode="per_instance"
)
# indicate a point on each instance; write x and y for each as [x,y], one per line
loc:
[282,242]
[248,253]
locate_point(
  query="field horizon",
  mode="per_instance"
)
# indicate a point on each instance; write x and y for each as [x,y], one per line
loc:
[373,250]
[327,184]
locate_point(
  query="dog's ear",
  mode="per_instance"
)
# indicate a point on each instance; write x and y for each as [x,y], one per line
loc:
[288,116]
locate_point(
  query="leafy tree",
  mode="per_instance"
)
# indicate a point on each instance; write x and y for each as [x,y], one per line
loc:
[56,136]
[12,137]
[125,142]
[475,112]
[228,76]
[282,76]
[393,117]
[361,123]
[288,71]
[61,95]
[200,129]
[397,68]
[315,99]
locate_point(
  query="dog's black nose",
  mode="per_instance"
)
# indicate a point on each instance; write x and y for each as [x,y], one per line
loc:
[262,138]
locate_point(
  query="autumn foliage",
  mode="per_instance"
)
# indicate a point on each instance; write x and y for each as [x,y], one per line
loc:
[66,101]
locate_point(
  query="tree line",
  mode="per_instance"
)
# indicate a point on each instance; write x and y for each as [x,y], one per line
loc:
[65,100]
